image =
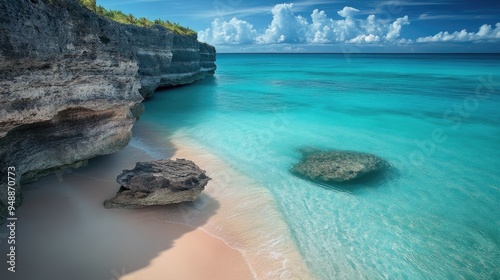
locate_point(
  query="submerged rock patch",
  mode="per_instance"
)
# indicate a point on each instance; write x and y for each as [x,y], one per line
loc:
[338,166]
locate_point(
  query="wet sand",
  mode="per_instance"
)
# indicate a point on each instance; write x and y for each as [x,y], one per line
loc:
[247,217]
[232,231]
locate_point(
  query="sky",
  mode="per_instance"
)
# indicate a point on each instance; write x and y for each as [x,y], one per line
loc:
[331,25]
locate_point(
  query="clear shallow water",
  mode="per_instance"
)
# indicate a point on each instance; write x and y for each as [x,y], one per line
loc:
[435,118]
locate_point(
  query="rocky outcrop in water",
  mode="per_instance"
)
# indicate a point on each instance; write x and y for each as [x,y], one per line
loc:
[337,166]
[72,82]
[159,182]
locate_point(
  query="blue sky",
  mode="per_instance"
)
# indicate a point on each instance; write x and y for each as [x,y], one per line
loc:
[331,25]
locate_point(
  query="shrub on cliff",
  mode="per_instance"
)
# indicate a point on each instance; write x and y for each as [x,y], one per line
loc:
[91,4]
[121,17]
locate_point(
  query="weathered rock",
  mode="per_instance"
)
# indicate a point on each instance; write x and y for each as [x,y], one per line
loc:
[71,82]
[159,182]
[183,60]
[64,94]
[337,166]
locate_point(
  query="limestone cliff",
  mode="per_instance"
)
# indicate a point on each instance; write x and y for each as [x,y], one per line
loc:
[71,82]
[181,60]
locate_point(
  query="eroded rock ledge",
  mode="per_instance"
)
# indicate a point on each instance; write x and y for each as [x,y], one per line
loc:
[72,82]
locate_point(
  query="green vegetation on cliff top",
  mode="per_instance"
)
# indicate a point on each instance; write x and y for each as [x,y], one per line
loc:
[120,17]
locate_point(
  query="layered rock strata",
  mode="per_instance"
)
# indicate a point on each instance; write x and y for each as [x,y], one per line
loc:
[71,82]
[183,61]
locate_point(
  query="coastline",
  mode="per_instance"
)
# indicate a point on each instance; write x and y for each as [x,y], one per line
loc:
[65,233]
[247,218]
[74,99]
[232,231]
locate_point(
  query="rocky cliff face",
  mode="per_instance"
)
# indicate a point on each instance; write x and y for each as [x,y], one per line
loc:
[167,59]
[71,82]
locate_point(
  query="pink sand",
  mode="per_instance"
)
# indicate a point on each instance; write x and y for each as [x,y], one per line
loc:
[65,233]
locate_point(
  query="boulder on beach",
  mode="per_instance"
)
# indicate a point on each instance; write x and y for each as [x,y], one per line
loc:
[337,166]
[158,182]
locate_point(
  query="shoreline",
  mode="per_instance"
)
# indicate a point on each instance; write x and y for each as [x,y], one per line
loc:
[64,232]
[262,236]
[248,218]
[234,219]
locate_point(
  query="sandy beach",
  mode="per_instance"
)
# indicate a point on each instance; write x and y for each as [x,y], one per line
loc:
[247,217]
[244,213]
[65,233]
[232,231]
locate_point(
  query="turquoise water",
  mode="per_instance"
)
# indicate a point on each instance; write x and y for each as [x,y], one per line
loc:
[435,118]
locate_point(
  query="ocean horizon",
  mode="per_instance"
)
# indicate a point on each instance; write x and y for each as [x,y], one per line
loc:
[433,117]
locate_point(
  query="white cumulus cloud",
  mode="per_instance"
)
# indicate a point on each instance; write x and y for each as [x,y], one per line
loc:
[351,29]
[365,39]
[485,32]
[224,33]
[395,28]
[348,12]
[287,27]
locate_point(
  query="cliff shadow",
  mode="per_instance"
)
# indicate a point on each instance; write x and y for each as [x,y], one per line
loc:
[67,234]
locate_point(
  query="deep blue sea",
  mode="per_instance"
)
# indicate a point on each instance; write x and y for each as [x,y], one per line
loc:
[435,118]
